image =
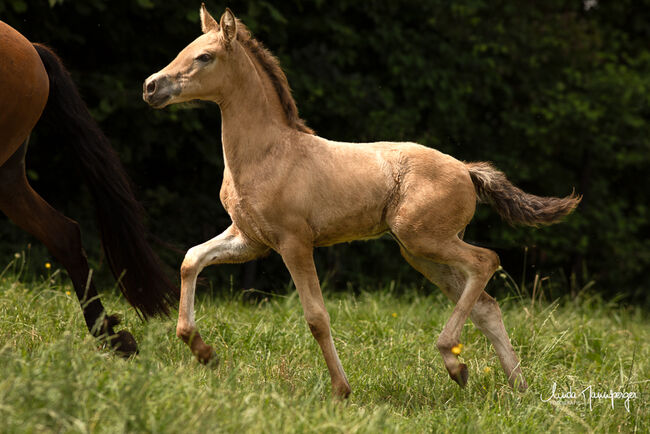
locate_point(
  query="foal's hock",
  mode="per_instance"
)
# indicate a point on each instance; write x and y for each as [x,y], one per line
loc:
[288,190]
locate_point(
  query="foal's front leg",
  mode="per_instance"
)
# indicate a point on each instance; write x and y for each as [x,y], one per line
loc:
[300,261]
[230,247]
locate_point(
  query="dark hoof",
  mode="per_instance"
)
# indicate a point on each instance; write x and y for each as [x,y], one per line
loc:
[461,376]
[204,353]
[124,344]
[341,392]
[207,356]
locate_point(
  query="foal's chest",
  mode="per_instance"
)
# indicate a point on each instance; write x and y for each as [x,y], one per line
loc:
[241,214]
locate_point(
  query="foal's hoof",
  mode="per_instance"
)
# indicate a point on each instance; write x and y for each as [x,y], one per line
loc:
[341,391]
[522,387]
[461,375]
[519,384]
[124,344]
[207,356]
[204,353]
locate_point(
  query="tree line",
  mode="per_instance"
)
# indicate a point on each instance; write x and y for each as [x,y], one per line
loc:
[554,93]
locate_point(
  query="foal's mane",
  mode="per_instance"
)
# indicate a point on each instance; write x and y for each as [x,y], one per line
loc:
[271,66]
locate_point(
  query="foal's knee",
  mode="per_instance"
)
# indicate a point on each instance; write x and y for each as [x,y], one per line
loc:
[190,264]
[490,260]
[487,262]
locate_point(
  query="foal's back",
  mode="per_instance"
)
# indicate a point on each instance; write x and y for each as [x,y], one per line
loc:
[352,191]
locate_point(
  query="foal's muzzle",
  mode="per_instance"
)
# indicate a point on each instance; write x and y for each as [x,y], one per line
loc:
[158,90]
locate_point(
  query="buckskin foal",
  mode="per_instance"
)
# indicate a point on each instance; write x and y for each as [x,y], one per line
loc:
[288,190]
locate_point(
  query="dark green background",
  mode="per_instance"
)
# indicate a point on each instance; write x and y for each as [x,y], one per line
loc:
[553,92]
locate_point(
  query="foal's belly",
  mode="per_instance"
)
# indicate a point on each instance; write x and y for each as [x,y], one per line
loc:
[330,241]
[349,227]
[351,202]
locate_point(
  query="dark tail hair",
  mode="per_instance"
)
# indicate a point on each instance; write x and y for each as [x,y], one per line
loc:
[514,205]
[119,214]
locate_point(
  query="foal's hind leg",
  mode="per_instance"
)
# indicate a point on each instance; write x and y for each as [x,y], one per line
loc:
[486,314]
[475,263]
[231,246]
[62,238]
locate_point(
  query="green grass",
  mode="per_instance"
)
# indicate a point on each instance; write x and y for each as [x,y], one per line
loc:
[272,377]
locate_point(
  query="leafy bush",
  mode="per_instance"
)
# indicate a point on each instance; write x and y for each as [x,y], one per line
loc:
[555,94]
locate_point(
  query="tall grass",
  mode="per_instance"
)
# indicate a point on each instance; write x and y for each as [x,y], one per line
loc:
[272,377]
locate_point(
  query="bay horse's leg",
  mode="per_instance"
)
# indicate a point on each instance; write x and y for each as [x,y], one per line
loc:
[486,314]
[231,246]
[62,238]
[300,261]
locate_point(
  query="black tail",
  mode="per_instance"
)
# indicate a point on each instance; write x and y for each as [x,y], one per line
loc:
[119,214]
[514,205]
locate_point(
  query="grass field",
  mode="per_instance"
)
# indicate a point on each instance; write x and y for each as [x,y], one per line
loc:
[272,377]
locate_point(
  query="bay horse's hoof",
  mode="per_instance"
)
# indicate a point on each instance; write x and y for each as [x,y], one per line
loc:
[461,375]
[124,344]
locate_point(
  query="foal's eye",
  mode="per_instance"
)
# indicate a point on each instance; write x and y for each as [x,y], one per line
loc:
[204,58]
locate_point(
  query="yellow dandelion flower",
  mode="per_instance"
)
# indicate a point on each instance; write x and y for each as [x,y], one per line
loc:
[487,370]
[394,314]
[48,265]
[67,293]
[456,349]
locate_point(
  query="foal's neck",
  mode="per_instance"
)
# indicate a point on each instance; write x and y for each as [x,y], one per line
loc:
[251,115]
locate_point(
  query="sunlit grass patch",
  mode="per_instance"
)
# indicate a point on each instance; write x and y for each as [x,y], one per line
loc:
[272,377]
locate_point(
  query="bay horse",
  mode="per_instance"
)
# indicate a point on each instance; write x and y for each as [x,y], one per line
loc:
[288,190]
[35,85]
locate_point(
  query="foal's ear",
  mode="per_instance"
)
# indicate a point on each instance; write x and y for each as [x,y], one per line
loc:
[229,25]
[207,22]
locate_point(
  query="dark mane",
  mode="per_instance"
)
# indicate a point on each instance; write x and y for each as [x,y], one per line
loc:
[271,66]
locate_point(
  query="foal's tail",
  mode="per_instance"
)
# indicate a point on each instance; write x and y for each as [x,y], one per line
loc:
[514,205]
[118,213]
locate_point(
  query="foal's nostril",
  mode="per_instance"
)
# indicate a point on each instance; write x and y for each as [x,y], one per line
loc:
[151,87]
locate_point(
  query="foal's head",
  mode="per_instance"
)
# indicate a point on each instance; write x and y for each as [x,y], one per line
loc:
[201,69]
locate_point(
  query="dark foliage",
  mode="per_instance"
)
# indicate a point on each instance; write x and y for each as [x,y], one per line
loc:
[554,93]
[129,256]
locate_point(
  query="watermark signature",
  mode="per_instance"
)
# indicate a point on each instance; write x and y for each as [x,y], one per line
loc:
[587,396]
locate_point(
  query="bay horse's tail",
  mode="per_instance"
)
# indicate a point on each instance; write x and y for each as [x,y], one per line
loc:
[119,214]
[514,205]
